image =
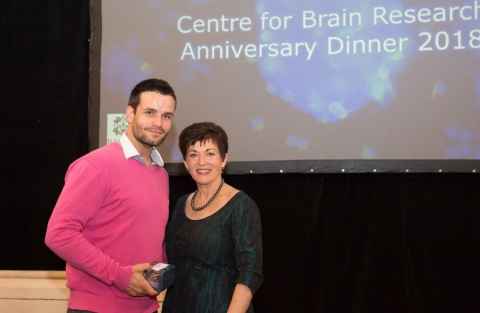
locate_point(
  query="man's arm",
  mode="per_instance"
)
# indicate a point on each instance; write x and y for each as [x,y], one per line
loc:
[82,196]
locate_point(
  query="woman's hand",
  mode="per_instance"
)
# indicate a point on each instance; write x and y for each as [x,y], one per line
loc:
[242,296]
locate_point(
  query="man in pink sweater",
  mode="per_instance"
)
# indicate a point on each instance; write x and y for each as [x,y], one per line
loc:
[110,218]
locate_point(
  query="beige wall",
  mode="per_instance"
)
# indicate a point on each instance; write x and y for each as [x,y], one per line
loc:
[35,292]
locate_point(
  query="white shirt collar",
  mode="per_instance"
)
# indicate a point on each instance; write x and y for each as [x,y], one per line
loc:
[129,151]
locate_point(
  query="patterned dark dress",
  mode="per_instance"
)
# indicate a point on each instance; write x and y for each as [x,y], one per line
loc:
[212,255]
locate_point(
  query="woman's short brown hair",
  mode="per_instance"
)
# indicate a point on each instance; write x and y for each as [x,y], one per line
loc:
[201,132]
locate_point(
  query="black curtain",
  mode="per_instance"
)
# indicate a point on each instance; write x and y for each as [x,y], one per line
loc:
[45,109]
[332,243]
[365,242]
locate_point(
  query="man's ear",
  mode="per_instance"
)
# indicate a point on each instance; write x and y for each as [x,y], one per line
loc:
[130,114]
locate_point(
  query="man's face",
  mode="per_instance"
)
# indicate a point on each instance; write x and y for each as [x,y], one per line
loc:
[150,123]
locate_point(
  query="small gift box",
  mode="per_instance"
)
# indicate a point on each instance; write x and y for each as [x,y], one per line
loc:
[160,276]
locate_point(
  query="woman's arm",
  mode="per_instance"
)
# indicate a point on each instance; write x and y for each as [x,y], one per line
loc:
[242,296]
[247,234]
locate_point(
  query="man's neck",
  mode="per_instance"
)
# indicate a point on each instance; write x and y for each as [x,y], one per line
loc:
[145,151]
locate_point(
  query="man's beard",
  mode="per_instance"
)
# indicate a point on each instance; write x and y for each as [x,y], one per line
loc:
[143,138]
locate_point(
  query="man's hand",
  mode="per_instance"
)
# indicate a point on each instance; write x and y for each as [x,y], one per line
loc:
[138,285]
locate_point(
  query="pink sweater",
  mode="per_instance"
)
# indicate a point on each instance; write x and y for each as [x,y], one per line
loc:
[111,214]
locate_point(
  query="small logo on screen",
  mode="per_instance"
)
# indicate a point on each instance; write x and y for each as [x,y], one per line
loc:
[116,126]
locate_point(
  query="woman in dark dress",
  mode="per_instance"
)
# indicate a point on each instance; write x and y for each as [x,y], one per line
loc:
[214,237]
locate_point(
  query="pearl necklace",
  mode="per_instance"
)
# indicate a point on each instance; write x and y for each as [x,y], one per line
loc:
[192,202]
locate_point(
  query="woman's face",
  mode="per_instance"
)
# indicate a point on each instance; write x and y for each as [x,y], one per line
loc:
[204,162]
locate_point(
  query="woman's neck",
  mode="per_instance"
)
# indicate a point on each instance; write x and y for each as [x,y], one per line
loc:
[207,190]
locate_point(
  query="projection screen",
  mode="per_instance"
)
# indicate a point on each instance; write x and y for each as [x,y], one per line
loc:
[306,86]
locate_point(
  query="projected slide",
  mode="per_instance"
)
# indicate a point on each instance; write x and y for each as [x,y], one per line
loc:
[304,80]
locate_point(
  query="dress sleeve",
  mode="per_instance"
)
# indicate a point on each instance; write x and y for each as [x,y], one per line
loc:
[81,198]
[247,234]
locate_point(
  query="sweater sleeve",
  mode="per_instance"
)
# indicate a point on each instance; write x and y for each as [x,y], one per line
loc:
[247,234]
[81,198]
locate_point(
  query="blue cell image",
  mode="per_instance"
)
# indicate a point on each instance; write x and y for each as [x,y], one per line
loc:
[155,4]
[459,151]
[199,2]
[297,142]
[462,143]
[192,70]
[257,123]
[368,153]
[439,89]
[123,69]
[477,92]
[176,156]
[346,71]
[459,135]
